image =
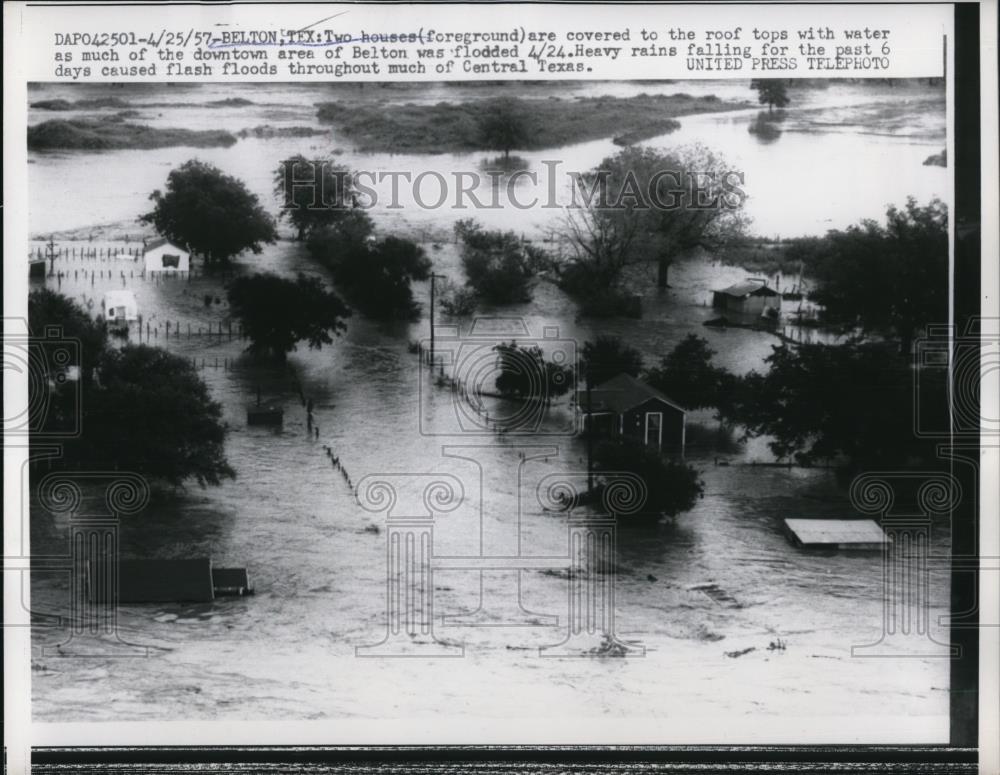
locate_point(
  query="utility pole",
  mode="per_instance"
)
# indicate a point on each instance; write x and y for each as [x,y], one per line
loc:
[50,249]
[590,442]
[433,276]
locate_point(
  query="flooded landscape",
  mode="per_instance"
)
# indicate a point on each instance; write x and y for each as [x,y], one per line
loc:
[727,619]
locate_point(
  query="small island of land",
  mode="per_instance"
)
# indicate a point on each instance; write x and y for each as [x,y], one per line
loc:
[448,127]
[113,133]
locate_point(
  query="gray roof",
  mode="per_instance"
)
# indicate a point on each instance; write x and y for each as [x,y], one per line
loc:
[621,393]
[748,288]
[159,242]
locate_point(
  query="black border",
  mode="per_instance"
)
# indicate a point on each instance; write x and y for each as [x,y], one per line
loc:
[960,757]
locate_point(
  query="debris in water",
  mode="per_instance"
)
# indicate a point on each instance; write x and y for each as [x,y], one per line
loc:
[650,577]
[609,648]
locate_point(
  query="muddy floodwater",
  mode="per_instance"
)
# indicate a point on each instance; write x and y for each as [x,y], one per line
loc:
[707,598]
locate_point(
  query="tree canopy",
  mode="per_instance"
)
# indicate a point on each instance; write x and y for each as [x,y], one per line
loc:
[315,193]
[277,313]
[890,279]
[375,277]
[671,486]
[525,373]
[141,408]
[152,414]
[498,265]
[687,375]
[503,125]
[211,213]
[643,205]
[851,404]
[770,92]
[608,357]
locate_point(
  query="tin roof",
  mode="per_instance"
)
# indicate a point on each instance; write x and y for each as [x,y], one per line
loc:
[748,288]
[837,532]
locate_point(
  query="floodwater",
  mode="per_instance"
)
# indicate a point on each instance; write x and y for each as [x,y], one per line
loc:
[695,594]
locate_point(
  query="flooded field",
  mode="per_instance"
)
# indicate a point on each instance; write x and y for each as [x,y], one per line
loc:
[706,596]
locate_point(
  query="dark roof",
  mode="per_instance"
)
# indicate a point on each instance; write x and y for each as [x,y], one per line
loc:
[748,288]
[621,393]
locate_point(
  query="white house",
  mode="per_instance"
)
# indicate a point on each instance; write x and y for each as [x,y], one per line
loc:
[119,308]
[163,256]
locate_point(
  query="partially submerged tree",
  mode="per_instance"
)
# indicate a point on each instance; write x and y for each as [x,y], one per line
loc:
[211,213]
[137,408]
[152,414]
[498,265]
[276,313]
[525,373]
[315,193]
[608,357]
[646,206]
[375,277]
[688,376]
[888,279]
[670,486]
[504,125]
[770,92]
[851,404]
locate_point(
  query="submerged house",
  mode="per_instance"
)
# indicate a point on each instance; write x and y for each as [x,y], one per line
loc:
[625,407]
[748,303]
[160,255]
[120,308]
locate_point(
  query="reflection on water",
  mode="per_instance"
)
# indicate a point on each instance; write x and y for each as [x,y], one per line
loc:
[721,579]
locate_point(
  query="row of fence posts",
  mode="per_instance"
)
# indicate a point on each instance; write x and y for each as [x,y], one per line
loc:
[312,432]
[174,330]
[90,254]
[457,385]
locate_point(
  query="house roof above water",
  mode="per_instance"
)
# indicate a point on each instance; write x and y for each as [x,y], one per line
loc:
[621,393]
[159,242]
[748,288]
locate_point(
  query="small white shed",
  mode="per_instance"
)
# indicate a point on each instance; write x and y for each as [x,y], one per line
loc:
[119,308]
[163,256]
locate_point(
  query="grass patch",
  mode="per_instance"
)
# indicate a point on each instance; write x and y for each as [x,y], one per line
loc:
[449,127]
[87,134]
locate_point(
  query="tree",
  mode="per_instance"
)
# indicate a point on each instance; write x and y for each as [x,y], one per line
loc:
[653,207]
[213,214]
[48,309]
[688,376]
[498,265]
[63,340]
[524,373]
[152,414]
[608,357]
[315,193]
[852,404]
[671,486]
[277,313]
[770,92]
[503,125]
[375,277]
[891,279]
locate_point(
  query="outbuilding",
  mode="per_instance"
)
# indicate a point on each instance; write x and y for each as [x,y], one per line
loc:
[748,303]
[120,308]
[161,255]
[626,407]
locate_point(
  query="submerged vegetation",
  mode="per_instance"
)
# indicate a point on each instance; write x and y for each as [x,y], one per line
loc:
[114,133]
[449,126]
